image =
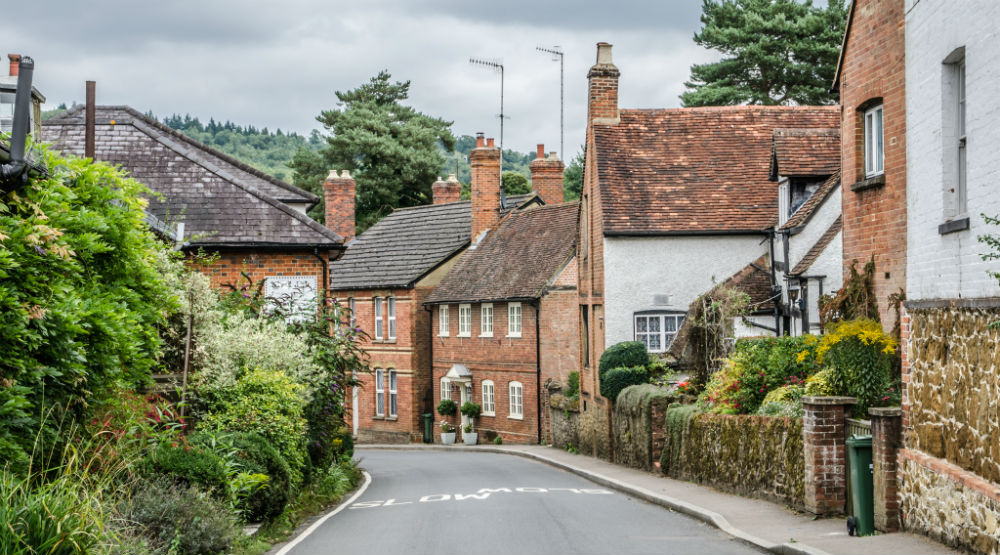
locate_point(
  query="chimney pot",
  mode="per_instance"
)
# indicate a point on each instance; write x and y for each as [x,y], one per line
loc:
[446,191]
[604,53]
[15,59]
[331,175]
[452,178]
[489,142]
[344,174]
[541,151]
[480,141]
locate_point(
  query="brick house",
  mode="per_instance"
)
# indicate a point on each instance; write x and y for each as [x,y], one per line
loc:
[385,276]
[872,85]
[674,201]
[256,224]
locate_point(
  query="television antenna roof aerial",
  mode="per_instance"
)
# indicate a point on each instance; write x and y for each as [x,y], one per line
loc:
[496,65]
[557,56]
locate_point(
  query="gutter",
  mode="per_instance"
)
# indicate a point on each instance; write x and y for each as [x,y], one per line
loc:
[684,233]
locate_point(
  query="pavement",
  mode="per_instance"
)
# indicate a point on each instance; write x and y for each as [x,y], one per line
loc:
[763,524]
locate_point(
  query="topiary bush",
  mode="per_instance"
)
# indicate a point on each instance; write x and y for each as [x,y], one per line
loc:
[179,520]
[617,379]
[470,409]
[188,465]
[627,354]
[447,407]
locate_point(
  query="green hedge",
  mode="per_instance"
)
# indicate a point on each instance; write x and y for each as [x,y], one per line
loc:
[189,466]
[615,380]
[626,354]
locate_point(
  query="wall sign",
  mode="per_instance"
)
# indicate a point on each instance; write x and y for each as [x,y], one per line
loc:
[294,295]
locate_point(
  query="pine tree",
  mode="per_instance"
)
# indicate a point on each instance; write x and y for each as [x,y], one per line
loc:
[390,149]
[775,52]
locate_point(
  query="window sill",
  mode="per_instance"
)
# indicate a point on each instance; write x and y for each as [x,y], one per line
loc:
[958,224]
[489,414]
[486,335]
[514,335]
[873,182]
[445,335]
[464,335]
[512,417]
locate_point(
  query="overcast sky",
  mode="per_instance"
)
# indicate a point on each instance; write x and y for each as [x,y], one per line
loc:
[277,63]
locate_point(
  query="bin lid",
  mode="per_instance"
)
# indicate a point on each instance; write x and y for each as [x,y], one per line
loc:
[860,441]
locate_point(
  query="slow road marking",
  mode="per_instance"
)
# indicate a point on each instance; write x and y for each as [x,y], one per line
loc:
[482,494]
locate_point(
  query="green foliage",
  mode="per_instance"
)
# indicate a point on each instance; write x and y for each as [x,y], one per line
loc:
[498,440]
[677,422]
[757,366]
[573,385]
[774,52]
[617,379]
[447,407]
[860,356]
[179,520]
[515,183]
[267,151]
[267,403]
[470,409]
[819,384]
[624,354]
[785,393]
[390,149]
[81,296]
[573,177]
[189,466]
[708,330]
[854,300]
[993,242]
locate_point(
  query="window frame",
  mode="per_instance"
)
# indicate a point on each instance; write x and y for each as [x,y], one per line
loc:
[379,392]
[393,404]
[662,333]
[352,307]
[486,316]
[467,310]
[444,321]
[379,332]
[512,317]
[962,191]
[390,303]
[445,389]
[489,408]
[874,161]
[515,400]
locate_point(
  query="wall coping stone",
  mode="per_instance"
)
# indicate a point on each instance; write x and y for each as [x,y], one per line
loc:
[811,400]
[886,411]
[953,472]
[929,304]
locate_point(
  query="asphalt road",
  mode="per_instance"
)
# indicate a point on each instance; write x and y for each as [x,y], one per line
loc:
[434,502]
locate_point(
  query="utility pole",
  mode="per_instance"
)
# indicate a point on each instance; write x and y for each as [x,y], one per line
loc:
[496,65]
[557,56]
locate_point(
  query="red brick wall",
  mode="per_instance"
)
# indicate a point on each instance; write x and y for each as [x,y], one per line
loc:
[824,432]
[499,358]
[485,186]
[875,218]
[406,354]
[547,177]
[226,272]
[447,191]
[338,193]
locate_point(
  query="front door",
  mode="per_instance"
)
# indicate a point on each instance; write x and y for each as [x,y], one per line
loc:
[463,396]
[354,403]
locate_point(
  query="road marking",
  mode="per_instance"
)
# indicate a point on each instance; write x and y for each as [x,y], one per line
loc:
[482,494]
[288,547]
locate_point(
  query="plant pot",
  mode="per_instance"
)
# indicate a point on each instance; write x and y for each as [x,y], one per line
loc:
[447,438]
[470,438]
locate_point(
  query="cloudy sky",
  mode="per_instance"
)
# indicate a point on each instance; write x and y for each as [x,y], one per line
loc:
[277,63]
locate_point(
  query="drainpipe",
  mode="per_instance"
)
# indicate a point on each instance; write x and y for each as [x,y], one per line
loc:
[90,121]
[804,303]
[774,284]
[15,171]
[326,271]
[430,355]
[538,366]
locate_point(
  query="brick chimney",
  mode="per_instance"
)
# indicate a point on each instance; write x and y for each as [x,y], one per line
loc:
[485,162]
[447,191]
[338,192]
[602,88]
[547,176]
[15,60]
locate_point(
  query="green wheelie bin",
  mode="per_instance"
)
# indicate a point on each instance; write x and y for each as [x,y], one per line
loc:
[859,456]
[428,427]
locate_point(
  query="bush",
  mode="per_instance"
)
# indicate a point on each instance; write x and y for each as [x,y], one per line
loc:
[447,407]
[267,403]
[573,385]
[784,394]
[470,409]
[791,409]
[251,453]
[818,385]
[626,354]
[189,465]
[617,379]
[180,520]
[860,355]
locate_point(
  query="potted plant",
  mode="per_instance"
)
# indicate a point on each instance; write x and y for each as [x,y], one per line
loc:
[447,433]
[471,410]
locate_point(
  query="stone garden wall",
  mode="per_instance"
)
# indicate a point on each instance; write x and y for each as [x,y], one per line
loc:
[564,421]
[758,456]
[638,425]
[594,431]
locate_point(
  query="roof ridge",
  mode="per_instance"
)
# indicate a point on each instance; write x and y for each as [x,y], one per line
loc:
[737,108]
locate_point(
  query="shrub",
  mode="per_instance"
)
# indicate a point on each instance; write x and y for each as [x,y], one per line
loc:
[573,385]
[791,409]
[676,422]
[266,403]
[250,452]
[446,407]
[189,466]
[784,394]
[818,385]
[626,354]
[860,355]
[617,379]
[180,520]
[470,409]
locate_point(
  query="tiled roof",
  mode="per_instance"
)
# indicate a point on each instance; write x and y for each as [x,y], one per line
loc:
[694,170]
[816,250]
[809,207]
[805,152]
[405,245]
[222,203]
[516,260]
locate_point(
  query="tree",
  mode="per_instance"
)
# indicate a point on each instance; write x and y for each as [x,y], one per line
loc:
[573,178]
[775,52]
[390,149]
[515,183]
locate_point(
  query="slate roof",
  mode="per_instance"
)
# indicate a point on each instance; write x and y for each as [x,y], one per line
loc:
[809,207]
[694,170]
[805,152]
[816,250]
[403,246]
[516,260]
[222,202]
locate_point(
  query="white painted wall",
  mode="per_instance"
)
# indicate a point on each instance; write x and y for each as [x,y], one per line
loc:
[800,243]
[636,268]
[949,266]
